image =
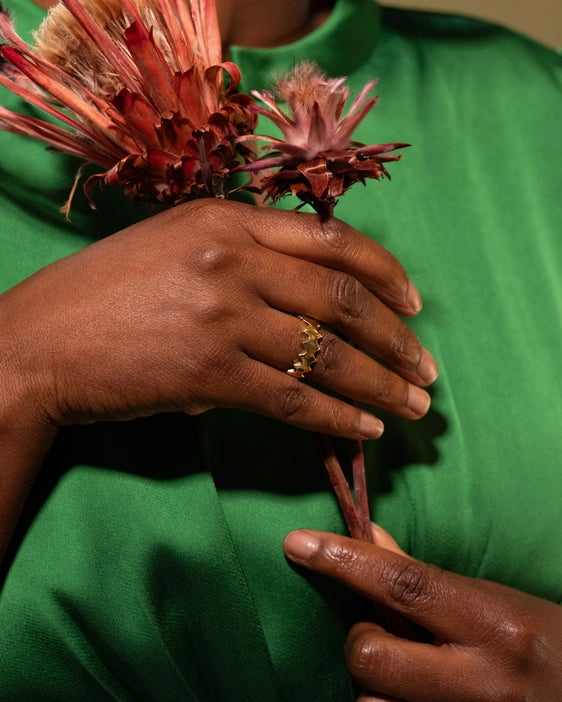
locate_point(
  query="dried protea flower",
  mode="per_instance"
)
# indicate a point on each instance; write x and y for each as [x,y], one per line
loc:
[317,159]
[141,84]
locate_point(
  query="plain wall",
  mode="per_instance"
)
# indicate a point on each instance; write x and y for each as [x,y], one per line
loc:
[540,19]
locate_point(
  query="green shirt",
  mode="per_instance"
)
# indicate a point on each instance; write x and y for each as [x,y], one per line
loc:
[148,565]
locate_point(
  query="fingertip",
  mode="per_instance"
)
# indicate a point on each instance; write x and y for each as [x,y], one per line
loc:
[413,298]
[419,401]
[369,426]
[427,369]
[301,545]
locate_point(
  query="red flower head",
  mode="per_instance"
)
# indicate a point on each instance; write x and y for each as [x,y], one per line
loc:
[142,91]
[317,159]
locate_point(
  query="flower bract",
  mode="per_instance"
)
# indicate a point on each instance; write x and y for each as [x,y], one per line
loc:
[316,159]
[137,87]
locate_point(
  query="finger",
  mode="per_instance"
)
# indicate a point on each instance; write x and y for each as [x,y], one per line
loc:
[388,619]
[334,244]
[383,539]
[408,670]
[294,402]
[339,366]
[340,301]
[366,696]
[452,607]
[353,374]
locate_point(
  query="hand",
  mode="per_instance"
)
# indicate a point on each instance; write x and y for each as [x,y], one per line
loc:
[193,309]
[491,643]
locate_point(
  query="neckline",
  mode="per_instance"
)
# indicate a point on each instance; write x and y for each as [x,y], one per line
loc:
[352,25]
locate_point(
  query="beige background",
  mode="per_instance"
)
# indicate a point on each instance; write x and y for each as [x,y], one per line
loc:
[540,19]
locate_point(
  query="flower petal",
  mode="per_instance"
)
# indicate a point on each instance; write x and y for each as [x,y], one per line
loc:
[151,63]
[140,116]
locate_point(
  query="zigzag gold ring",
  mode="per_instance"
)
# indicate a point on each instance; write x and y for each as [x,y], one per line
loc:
[310,348]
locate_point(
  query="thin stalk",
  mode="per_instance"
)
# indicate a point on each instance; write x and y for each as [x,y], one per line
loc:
[341,487]
[360,491]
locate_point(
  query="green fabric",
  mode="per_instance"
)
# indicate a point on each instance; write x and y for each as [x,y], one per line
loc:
[149,563]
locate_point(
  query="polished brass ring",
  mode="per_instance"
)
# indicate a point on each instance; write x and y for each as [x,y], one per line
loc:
[310,348]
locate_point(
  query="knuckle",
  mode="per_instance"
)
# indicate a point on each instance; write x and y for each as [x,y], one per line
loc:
[331,354]
[391,390]
[405,347]
[337,421]
[349,297]
[334,237]
[410,584]
[292,404]
[520,638]
[207,211]
[340,558]
[212,310]
[394,279]
[213,256]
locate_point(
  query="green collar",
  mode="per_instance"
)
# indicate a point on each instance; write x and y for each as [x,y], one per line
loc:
[352,28]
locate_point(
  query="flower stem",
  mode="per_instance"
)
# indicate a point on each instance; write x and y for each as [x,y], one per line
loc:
[324,207]
[354,517]
[360,491]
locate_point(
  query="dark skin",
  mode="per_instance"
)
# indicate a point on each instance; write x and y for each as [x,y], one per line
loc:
[491,643]
[194,309]
[177,314]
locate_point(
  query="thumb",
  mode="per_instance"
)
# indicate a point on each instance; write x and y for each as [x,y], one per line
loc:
[383,539]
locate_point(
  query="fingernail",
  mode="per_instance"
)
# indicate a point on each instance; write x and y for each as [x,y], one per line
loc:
[370,427]
[301,545]
[413,297]
[427,369]
[418,401]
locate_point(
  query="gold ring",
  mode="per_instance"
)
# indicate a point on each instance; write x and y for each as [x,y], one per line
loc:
[310,348]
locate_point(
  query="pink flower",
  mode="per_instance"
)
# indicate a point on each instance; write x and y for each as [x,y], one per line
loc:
[317,159]
[138,88]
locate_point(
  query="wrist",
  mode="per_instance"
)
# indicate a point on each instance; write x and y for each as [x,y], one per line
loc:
[27,388]
[26,429]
